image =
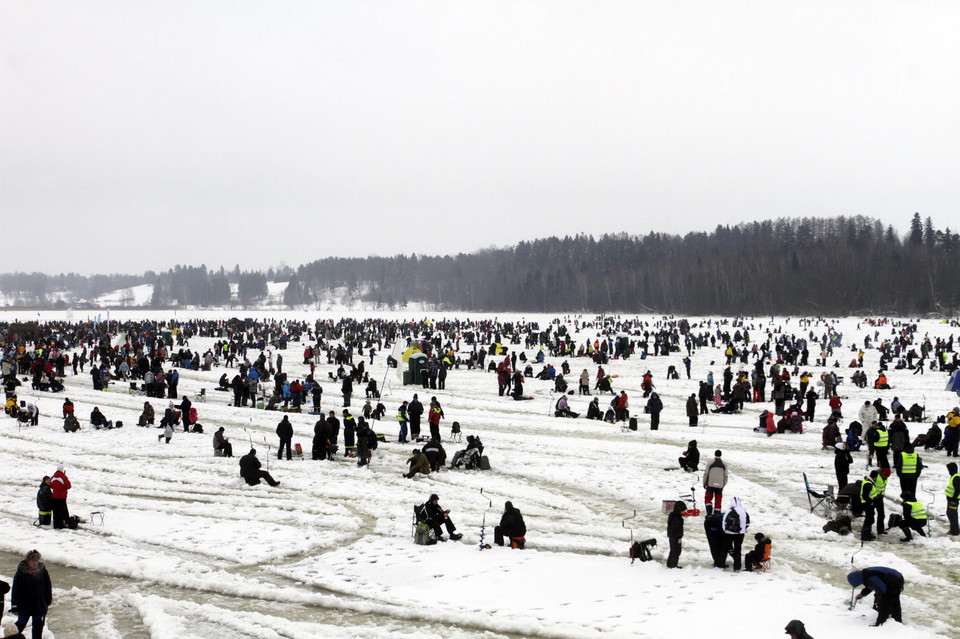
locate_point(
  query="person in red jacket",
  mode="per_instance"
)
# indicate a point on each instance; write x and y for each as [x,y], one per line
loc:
[59,485]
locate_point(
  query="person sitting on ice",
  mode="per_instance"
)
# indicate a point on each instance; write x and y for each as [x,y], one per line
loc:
[98,421]
[436,516]
[469,456]
[418,464]
[593,409]
[250,470]
[563,408]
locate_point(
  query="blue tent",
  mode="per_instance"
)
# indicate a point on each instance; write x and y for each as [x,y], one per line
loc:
[954,383]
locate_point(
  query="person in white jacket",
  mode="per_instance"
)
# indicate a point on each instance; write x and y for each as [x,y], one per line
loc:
[735,523]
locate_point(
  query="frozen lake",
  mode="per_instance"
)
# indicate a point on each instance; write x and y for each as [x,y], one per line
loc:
[186,549]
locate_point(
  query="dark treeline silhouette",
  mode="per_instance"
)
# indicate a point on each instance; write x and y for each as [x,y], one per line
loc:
[827,266]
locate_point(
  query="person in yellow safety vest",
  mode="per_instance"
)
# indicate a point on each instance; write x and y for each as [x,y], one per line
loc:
[953,498]
[402,418]
[914,517]
[881,445]
[866,501]
[908,465]
[877,494]
[951,433]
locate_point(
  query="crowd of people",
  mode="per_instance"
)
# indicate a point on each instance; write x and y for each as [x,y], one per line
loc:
[147,356]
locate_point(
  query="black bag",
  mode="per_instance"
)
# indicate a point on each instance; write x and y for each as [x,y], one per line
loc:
[633,423]
[641,549]
[73,522]
[484,463]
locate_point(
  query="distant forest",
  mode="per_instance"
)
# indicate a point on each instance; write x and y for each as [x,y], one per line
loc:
[824,266]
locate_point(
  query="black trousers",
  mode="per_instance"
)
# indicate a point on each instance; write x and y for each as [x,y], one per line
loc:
[674,557]
[436,523]
[60,513]
[284,442]
[888,604]
[868,518]
[732,545]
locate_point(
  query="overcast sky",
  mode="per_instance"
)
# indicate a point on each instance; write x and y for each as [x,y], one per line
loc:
[139,135]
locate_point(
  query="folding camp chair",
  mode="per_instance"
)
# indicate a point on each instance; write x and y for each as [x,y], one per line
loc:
[825,499]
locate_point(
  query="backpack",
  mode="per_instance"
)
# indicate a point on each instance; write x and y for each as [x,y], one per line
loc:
[731,522]
[641,550]
[73,522]
[422,536]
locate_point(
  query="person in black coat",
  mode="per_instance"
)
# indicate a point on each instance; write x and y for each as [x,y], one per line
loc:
[45,502]
[436,454]
[593,410]
[349,434]
[690,459]
[285,433]
[250,470]
[713,526]
[841,463]
[675,533]
[511,526]
[654,407]
[32,593]
[363,442]
[185,405]
[321,439]
[437,516]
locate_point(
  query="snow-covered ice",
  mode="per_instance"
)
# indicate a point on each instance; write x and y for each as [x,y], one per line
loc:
[186,549]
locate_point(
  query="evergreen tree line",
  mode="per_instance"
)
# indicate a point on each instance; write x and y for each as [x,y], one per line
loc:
[826,266]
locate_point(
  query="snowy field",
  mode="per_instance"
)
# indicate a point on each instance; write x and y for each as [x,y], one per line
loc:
[186,549]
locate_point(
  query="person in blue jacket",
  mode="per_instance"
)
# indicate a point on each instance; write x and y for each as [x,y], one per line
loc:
[887,583]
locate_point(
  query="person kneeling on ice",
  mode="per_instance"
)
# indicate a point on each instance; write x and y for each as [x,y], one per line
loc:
[418,464]
[250,470]
[511,527]
[887,583]
[914,517]
[437,516]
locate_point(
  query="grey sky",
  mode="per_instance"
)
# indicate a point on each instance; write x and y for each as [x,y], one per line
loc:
[138,135]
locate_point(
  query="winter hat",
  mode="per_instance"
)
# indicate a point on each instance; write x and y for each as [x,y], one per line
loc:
[952,468]
[885,472]
[718,453]
[758,536]
[33,554]
[796,627]
[855,578]
[841,446]
[433,497]
[693,442]
[60,467]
